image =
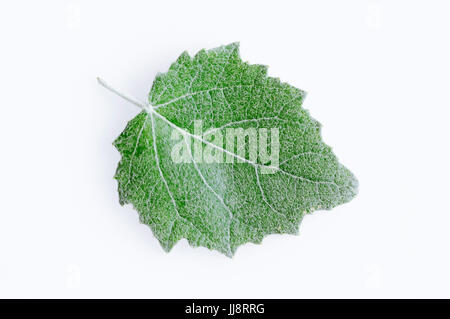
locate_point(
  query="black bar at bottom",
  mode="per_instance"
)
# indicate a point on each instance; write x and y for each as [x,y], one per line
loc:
[224,308]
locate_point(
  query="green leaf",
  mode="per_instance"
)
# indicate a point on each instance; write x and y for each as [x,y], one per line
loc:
[222,205]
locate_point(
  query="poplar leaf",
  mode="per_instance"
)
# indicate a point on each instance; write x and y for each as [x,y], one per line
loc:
[188,176]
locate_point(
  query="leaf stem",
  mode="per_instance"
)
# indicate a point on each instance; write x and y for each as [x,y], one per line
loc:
[125,96]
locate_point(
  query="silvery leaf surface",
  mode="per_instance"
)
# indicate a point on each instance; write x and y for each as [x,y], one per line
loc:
[240,199]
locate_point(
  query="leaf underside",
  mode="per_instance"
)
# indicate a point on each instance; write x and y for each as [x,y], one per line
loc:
[224,205]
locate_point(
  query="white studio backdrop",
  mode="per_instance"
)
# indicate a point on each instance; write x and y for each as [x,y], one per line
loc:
[377,75]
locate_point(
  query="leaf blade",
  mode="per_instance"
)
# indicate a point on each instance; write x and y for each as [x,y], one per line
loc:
[205,203]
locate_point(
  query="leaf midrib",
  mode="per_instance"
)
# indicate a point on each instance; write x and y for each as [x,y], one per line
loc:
[149,109]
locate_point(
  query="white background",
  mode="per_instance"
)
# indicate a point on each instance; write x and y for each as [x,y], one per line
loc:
[378,78]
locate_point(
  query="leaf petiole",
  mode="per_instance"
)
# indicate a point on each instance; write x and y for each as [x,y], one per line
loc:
[129,98]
